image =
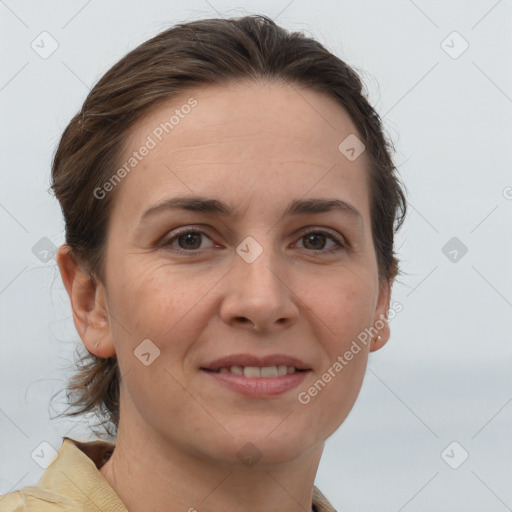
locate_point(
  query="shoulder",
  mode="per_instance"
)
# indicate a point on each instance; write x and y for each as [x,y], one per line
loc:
[71,483]
[34,499]
[12,502]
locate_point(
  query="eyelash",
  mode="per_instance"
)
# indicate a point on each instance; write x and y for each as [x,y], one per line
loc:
[340,243]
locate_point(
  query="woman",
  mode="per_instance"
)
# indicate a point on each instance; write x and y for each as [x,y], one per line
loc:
[230,205]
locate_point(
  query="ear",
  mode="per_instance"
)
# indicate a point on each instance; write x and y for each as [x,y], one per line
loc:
[380,320]
[88,303]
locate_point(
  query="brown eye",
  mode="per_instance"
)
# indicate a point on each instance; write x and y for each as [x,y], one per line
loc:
[186,241]
[316,241]
[191,240]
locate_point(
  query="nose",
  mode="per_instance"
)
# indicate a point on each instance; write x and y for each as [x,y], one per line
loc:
[259,295]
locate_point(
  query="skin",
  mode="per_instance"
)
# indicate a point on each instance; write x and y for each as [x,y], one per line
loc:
[256,146]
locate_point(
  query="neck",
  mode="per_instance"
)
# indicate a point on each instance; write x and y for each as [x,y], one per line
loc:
[151,474]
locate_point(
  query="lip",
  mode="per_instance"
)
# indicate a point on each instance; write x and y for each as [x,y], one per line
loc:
[252,360]
[258,386]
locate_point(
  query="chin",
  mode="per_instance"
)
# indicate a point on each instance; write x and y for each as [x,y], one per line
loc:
[270,445]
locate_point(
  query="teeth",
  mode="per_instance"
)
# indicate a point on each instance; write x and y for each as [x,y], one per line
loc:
[269,371]
[237,370]
[252,371]
[283,370]
[255,372]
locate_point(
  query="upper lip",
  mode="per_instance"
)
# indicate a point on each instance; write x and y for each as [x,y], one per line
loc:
[252,360]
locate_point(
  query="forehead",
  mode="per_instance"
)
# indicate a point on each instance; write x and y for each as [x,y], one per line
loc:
[244,109]
[266,138]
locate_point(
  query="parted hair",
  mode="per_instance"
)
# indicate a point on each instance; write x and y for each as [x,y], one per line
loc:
[197,53]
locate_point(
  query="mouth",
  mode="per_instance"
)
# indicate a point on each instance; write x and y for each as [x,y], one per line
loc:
[257,377]
[256,372]
[252,366]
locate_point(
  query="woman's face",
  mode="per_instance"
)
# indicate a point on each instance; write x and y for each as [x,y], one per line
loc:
[250,282]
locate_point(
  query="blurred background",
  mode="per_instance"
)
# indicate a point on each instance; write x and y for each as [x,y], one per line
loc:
[432,426]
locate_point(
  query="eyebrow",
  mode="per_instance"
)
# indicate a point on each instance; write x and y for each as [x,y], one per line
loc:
[215,206]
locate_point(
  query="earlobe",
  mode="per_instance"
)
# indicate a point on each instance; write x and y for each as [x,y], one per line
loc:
[381,317]
[88,304]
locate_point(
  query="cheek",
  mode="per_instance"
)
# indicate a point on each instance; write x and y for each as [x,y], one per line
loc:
[161,305]
[339,381]
[147,297]
[345,307]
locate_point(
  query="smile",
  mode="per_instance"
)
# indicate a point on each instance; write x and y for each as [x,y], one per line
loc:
[257,382]
[253,372]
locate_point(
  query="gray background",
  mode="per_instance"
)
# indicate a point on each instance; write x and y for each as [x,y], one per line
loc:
[445,375]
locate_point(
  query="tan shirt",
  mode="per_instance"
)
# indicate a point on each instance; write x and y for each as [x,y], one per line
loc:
[73,482]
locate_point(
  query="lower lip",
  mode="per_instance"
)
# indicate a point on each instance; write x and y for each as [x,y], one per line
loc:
[259,387]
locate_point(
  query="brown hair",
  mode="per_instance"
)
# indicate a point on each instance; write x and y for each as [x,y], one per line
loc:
[208,51]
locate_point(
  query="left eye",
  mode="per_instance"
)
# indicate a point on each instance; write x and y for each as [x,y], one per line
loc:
[317,238]
[190,241]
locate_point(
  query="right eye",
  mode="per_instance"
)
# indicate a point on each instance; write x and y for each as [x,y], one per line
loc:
[188,239]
